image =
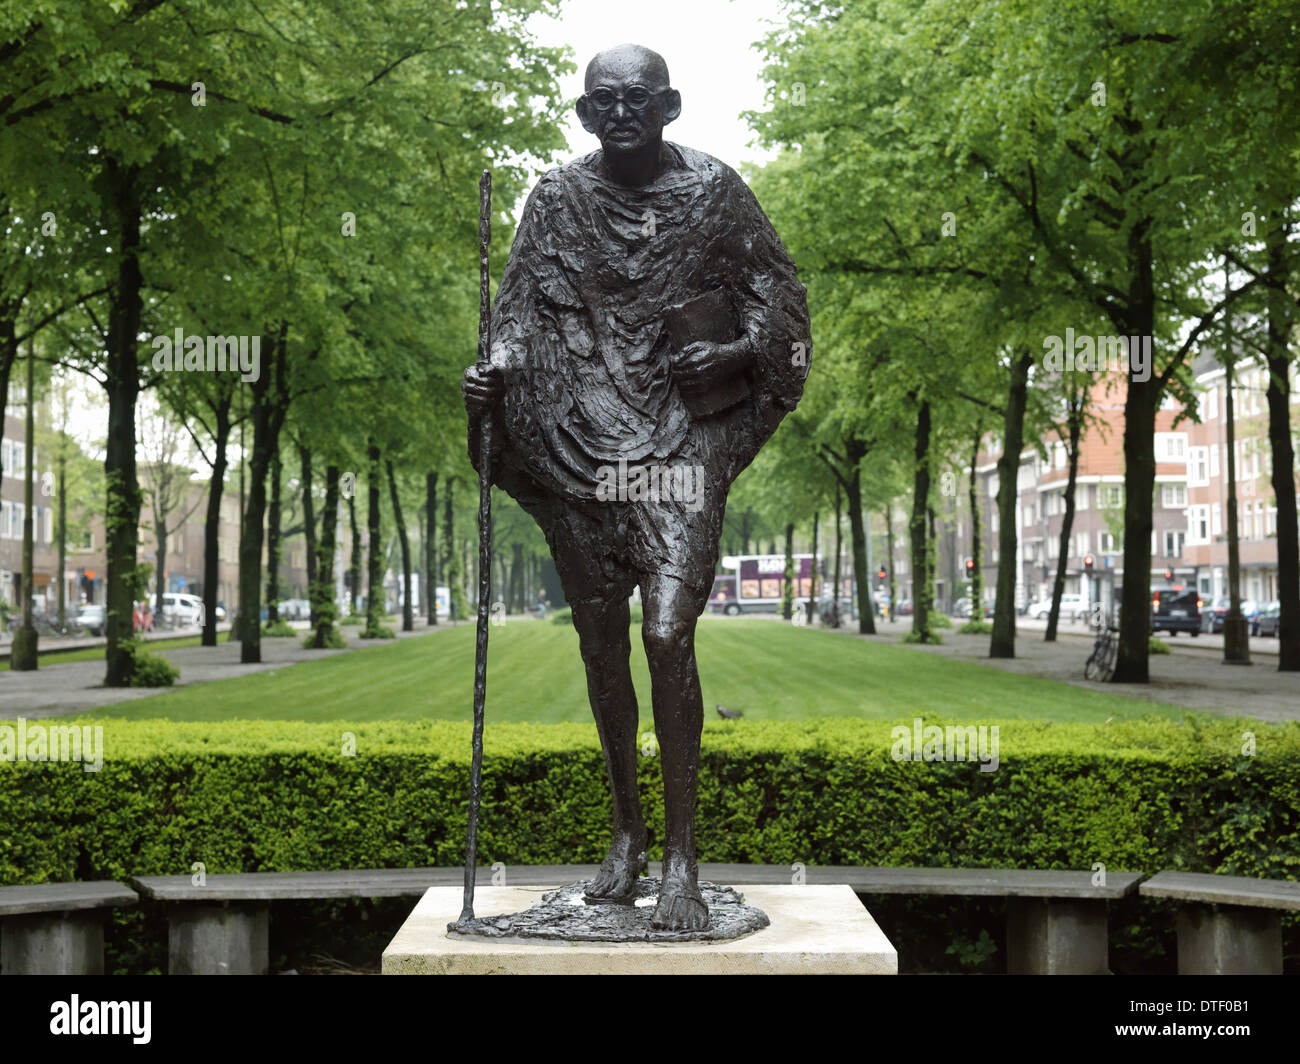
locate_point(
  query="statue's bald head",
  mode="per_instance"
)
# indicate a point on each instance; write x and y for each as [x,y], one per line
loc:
[632,64]
[628,100]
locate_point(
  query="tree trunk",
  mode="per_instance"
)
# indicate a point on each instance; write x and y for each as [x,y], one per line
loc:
[266,429]
[788,584]
[1280,325]
[63,536]
[431,546]
[976,592]
[354,562]
[1075,423]
[812,582]
[323,608]
[374,548]
[858,540]
[452,555]
[1002,644]
[839,548]
[273,546]
[160,570]
[408,614]
[1236,634]
[922,587]
[23,655]
[212,526]
[122,382]
[308,529]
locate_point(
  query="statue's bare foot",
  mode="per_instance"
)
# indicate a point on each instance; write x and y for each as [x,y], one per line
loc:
[616,880]
[680,908]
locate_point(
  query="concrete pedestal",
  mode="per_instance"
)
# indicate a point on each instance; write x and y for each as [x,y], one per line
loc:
[1054,936]
[815,930]
[218,940]
[1229,940]
[53,944]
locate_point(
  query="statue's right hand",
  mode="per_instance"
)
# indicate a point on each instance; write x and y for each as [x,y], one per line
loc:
[482,388]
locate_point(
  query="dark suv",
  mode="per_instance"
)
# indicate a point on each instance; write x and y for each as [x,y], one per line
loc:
[1176,609]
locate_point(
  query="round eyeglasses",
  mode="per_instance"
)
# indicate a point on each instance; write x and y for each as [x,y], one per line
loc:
[637,98]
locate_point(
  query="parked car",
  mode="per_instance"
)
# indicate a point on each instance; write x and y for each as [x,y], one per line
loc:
[1268,620]
[905,607]
[91,617]
[1176,609]
[294,610]
[1213,616]
[962,608]
[181,610]
[1072,608]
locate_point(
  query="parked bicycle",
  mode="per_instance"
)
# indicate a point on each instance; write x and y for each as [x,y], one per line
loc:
[1100,667]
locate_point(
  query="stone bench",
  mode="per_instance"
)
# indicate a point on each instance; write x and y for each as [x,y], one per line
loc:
[57,928]
[1234,924]
[1057,922]
[222,927]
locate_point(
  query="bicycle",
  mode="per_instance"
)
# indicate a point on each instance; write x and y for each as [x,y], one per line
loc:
[1100,666]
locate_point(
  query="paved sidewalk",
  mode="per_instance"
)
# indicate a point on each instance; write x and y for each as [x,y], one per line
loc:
[76,686]
[1193,675]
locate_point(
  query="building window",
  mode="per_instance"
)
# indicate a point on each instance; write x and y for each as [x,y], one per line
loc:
[1171,446]
[1106,543]
[1214,460]
[1216,519]
[1110,496]
[1174,544]
[1198,524]
[1173,496]
[1198,467]
[1081,493]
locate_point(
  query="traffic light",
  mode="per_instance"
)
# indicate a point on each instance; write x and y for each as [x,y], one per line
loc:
[970,566]
[1169,575]
[882,576]
[1088,562]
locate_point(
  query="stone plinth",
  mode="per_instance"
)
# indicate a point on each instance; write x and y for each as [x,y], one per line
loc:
[814,930]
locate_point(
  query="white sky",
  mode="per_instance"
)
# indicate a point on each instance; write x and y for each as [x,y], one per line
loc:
[711,61]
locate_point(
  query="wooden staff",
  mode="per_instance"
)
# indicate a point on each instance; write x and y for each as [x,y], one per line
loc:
[484,542]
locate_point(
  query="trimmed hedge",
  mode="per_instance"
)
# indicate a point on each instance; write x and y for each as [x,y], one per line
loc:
[275,796]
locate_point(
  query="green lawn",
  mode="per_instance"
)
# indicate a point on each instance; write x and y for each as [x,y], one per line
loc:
[48,658]
[770,671]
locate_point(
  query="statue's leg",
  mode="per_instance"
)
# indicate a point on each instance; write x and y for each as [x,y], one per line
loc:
[671,609]
[602,625]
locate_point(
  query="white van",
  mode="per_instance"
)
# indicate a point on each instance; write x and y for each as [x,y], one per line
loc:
[182,610]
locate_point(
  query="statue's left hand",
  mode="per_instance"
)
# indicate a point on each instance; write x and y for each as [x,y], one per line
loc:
[705,361]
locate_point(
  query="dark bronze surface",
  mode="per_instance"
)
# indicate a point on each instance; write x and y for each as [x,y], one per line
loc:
[649,334]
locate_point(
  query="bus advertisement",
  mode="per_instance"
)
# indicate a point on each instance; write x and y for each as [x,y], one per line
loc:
[756,583]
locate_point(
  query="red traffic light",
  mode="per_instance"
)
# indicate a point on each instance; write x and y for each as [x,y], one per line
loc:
[1089,561]
[882,574]
[970,564]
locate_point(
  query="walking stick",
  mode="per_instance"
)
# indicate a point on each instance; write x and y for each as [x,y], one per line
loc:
[484,543]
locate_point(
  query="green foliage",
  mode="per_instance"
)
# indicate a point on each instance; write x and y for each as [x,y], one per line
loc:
[931,638]
[976,627]
[353,619]
[279,629]
[148,669]
[563,616]
[939,620]
[374,630]
[1157,646]
[325,639]
[247,796]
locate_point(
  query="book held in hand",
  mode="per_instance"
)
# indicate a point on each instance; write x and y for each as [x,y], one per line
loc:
[711,316]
